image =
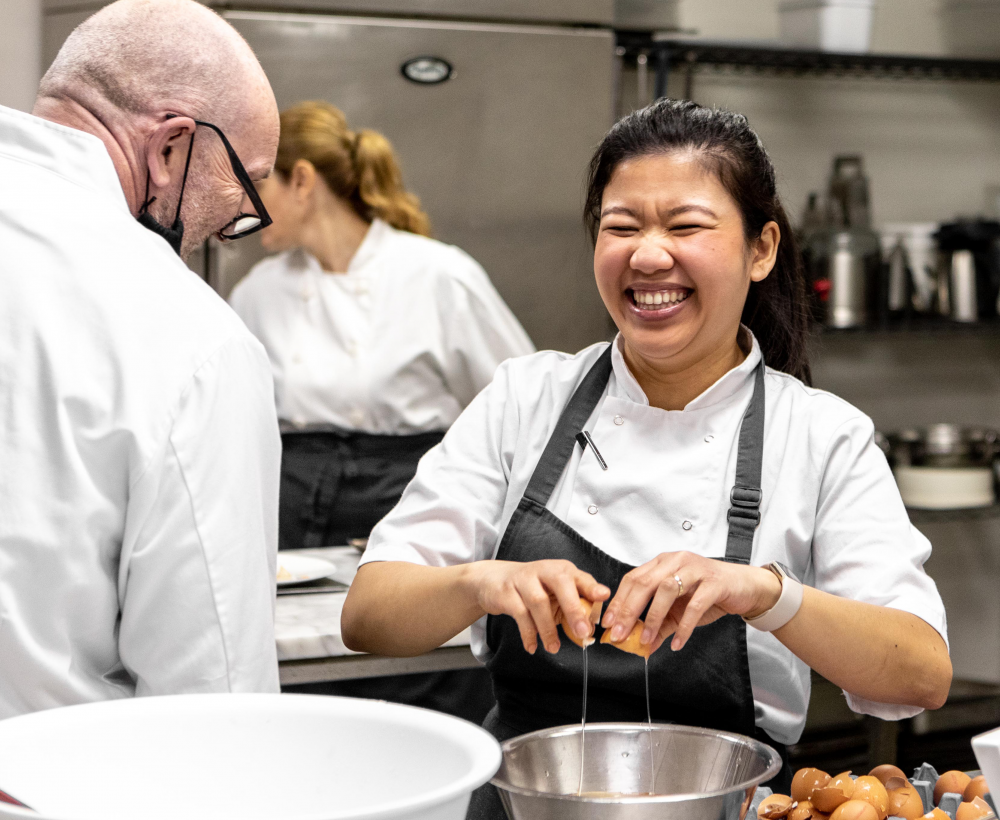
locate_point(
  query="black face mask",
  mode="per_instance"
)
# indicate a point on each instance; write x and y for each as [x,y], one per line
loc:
[175,233]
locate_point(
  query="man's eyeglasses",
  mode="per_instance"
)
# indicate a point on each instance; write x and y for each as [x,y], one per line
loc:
[243,224]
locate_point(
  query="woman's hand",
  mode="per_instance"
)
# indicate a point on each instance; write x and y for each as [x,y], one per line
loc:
[708,590]
[529,593]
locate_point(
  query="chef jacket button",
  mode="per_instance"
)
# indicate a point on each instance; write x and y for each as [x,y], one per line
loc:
[297,358]
[592,509]
[357,417]
[352,347]
[686,525]
[708,439]
[619,421]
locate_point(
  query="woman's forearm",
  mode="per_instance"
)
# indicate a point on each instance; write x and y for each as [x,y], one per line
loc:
[877,653]
[401,609]
[397,608]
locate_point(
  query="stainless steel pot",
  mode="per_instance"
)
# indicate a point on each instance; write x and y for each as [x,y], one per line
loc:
[944,445]
[696,774]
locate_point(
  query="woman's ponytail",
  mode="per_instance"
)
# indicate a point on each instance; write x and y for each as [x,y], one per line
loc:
[380,190]
[361,168]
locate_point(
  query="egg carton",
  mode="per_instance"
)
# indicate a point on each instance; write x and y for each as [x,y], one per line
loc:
[923,780]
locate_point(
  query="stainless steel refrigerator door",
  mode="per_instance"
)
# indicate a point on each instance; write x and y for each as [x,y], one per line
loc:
[586,12]
[498,154]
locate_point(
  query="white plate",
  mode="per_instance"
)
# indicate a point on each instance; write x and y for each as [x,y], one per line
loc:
[302,568]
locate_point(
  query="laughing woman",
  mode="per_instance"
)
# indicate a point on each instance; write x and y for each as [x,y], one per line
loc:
[735,510]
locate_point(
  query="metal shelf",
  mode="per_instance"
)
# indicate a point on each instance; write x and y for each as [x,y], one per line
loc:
[948,516]
[922,325]
[668,54]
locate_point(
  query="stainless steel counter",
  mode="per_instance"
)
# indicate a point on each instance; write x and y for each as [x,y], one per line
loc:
[310,647]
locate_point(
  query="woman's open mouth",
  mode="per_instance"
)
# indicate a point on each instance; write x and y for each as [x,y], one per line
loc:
[658,302]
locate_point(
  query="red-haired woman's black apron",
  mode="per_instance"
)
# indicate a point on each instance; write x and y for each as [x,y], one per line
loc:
[336,485]
[706,684]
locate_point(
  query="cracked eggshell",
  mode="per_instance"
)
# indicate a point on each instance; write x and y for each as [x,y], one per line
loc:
[775,807]
[973,810]
[806,781]
[871,790]
[854,810]
[839,790]
[594,608]
[887,771]
[631,642]
[905,802]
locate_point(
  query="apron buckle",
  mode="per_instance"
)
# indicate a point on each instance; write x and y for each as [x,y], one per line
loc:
[746,504]
[744,514]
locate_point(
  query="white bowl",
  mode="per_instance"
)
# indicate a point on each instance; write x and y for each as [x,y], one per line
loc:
[251,757]
[944,488]
[987,750]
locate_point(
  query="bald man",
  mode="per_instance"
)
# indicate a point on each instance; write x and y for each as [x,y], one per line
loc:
[139,449]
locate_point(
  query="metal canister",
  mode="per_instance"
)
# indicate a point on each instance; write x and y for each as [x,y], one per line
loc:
[964,306]
[847,304]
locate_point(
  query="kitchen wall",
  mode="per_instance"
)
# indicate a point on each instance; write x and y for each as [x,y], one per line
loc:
[932,149]
[20,53]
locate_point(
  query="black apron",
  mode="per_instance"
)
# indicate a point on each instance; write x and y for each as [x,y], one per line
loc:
[337,484]
[706,684]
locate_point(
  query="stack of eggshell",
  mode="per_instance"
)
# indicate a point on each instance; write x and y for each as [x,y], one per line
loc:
[883,793]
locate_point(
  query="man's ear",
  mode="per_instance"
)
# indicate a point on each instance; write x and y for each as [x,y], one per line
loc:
[166,151]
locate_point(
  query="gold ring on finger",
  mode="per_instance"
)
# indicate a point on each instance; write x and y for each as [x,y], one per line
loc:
[680,586]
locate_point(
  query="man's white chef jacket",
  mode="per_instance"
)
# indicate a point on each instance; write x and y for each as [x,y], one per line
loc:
[831,511]
[139,449]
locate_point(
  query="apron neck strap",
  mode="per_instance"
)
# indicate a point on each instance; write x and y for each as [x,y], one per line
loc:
[563,439]
[745,497]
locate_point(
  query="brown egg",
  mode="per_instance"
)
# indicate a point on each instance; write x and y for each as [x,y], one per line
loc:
[803,811]
[827,799]
[887,770]
[977,788]
[855,810]
[806,781]
[972,810]
[950,782]
[935,814]
[594,610]
[774,807]
[843,781]
[905,802]
[871,790]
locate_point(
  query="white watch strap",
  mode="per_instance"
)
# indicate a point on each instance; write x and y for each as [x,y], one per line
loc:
[783,611]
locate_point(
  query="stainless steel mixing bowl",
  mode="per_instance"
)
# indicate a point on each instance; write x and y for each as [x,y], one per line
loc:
[696,774]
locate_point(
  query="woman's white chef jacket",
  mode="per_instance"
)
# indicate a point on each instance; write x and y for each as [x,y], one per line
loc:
[831,511]
[398,344]
[139,449]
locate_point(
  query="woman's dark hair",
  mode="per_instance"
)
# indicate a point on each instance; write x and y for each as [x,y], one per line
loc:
[776,309]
